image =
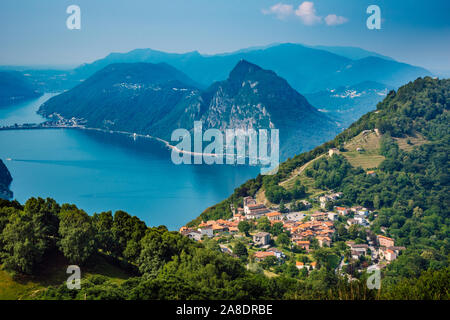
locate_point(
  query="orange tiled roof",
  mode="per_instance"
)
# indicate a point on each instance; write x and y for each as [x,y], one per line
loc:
[273,214]
[264,254]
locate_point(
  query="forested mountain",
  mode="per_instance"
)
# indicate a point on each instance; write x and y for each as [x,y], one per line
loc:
[252,97]
[130,97]
[15,88]
[155,99]
[5,181]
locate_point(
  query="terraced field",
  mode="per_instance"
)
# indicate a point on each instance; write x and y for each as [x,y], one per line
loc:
[368,157]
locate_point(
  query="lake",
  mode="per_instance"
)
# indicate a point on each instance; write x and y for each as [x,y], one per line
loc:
[102,171]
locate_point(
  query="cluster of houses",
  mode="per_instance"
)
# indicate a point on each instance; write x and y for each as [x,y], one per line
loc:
[210,229]
[384,251]
[329,198]
[320,226]
[387,250]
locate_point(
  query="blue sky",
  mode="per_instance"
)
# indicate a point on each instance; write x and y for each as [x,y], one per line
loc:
[34,31]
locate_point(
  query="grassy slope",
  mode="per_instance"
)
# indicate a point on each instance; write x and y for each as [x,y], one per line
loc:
[53,273]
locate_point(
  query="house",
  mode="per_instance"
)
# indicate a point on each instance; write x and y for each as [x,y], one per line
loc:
[295,216]
[183,229]
[239,217]
[385,241]
[397,250]
[256,211]
[261,255]
[387,254]
[332,216]
[313,265]
[333,151]
[342,211]
[361,248]
[300,265]
[261,238]
[319,216]
[193,234]
[303,244]
[208,231]
[352,222]
[324,241]
[362,211]
[233,229]
[278,253]
[371,173]
[356,254]
[249,201]
[217,228]
[307,204]
[329,197]
[361,221]
[250,207]
[274,216]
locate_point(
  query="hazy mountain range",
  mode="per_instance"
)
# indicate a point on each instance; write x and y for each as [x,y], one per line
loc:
[307,69]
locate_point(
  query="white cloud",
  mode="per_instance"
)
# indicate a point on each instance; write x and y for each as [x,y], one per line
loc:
[307,13]
[280,10]
[334,20]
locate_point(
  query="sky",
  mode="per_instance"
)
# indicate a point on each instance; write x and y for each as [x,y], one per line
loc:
[34,32]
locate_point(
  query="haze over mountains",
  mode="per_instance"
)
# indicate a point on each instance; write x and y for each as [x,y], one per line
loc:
[15,88]
[155,99]
[347,104]
[306,69]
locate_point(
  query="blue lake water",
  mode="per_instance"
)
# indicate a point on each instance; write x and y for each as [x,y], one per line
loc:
[101,171]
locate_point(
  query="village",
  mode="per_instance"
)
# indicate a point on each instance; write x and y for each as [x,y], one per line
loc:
[272,238]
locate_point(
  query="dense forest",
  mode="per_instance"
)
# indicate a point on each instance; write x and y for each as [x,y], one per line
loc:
[163,264]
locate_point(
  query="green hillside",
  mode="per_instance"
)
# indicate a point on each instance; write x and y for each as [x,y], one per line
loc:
[405,141]
[121,258]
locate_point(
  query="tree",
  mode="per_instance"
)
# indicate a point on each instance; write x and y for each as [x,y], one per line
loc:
[103,224]
[77,234]
[326,257]
[277,228]
[244,227]
[240,250]
[283,240]
[269,262]
[291,270]
[158,246]
[264,224]
[24,244]
[283,208]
